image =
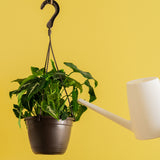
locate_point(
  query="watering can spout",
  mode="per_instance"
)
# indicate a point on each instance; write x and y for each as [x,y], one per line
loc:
[144,107]
[123,122]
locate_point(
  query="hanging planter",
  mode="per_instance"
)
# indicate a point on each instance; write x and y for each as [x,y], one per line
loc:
[47,101]
[48,135]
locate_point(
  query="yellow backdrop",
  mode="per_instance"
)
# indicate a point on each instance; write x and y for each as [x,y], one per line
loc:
[116,40]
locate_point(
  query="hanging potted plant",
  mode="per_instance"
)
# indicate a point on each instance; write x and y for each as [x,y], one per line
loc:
[46,108]
[47,101]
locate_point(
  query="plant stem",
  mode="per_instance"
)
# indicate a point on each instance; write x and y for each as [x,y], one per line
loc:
[70,73]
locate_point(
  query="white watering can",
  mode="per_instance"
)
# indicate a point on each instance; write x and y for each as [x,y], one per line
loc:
[144,107]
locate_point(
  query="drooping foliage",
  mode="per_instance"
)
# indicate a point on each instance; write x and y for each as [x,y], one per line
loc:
[44,93]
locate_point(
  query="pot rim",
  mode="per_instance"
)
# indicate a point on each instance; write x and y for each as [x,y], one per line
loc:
[47,117]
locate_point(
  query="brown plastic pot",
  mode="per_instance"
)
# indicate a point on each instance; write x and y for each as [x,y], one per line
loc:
[48,135]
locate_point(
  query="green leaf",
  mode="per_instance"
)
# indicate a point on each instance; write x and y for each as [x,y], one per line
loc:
[20,113]
[33,90]
[15,106]
[40,72]
[19,121]
[48,109]
[37,72]
[16,113]
[53,66]
[32,102]
[24,101]
[55,75]
[18,80]
[34,70]
[62,71]
[74,100]
[81,110]
[59,76]
[13,92]
[62,104]
[37,98]
[20,97]
[83,73]
[38,86]
[75,69]
[72,82]
[95,83]
[52,104]
[64,115]
[20,117]
[44,91]
[32,77]
[28,85]
[27,104]
[91,91]
[27,114]
[53,92]
[23,87]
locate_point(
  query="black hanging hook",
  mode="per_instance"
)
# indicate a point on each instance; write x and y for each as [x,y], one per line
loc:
[56,6]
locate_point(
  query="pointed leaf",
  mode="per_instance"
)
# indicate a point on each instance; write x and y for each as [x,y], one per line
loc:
[81,110]
[40,72]
[20,117]
[27,104]
[38,86]
[75,69]
[15,106]
[46,108]
[74,100]
[53,66]
[20,97]
[72,82]
[95,83]
[91,91]
[17,113]
[64,115]
[27,114]
[62,105]
[18,80]
[28,79]
[83,73]
[33,90]
[34,70]
[13,92]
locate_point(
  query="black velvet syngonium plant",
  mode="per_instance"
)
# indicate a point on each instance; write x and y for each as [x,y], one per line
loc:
[44,93]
